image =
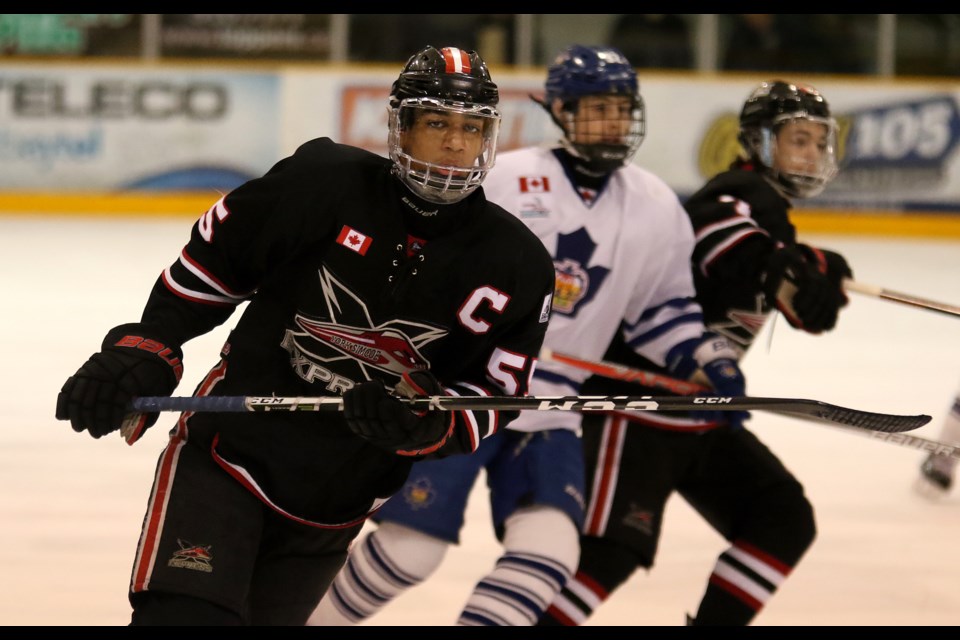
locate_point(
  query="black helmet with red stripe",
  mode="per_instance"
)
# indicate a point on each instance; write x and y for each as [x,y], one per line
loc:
[447,80]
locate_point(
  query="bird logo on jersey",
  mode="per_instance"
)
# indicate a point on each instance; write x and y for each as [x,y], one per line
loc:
[743,325]
[192,556]
[384,349]
[576,283]
[346,344]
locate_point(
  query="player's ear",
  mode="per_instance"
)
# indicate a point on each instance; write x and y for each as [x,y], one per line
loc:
[556,108]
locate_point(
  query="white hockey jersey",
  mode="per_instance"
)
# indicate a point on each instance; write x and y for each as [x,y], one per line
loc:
[624,257]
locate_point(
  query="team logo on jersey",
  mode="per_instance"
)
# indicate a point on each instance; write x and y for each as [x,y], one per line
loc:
[587,195]
[385,349]
[354,240]
[192,556]
[743,325]
[346,344]
[639,519]
[414,245]
[539,184]
[576,283]
[533,209]
[419,493]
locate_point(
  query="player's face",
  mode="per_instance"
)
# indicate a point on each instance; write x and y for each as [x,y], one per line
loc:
[602,120]
[801,147]
[445,138]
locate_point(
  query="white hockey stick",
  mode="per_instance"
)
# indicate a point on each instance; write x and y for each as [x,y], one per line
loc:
[855,418]
[903,298]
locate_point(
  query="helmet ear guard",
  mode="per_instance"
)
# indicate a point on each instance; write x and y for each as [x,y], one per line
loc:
[447,81]
[580,71]
[768,108]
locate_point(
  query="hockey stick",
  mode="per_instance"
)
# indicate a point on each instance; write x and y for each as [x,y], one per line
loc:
[903,298]
[788,406]
[616,371]
[914,442]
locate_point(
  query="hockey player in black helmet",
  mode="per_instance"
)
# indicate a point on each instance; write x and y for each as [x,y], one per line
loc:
[620,242]
[425,87]
[746,263]
[789,142]
[776,122]
[366,277]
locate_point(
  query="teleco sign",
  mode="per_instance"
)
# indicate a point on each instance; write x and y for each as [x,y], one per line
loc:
[36,97]
[115,127]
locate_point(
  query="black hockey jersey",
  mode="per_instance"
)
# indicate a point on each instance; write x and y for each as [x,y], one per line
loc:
[348,277]
[739,220]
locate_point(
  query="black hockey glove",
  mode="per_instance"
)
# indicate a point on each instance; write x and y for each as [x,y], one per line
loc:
[830,263]
[717,360]
[381,418]
[808,298]
[129,364]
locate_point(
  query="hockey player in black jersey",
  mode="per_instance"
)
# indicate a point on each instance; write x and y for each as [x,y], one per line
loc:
[746,263]
[621,243]
[366,277]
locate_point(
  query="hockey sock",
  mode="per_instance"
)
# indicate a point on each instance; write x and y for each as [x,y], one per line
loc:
[742,582]
[604,566]
[384,564]
[541,552]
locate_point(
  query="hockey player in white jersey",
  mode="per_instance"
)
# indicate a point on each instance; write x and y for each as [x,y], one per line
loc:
[621,244]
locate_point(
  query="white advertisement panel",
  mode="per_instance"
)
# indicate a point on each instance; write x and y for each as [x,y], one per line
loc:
[127,128]
[898,140]
[112,128]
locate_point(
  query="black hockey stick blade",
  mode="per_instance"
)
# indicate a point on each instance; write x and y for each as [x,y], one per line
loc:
[798,407]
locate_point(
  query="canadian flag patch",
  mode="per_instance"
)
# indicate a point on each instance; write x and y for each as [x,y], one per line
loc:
[354,240]
[534,185]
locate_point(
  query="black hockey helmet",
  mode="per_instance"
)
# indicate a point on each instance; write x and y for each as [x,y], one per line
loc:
[765,111]
[447,74]
[449,80]
[580,71]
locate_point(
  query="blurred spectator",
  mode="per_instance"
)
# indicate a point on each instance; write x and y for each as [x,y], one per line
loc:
[779,42]
[390,37]
[653,40]
[928,44]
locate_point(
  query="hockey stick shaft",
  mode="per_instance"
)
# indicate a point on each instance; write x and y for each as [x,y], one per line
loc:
[903,298]
[788,406]
[914,442]
[617,371]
